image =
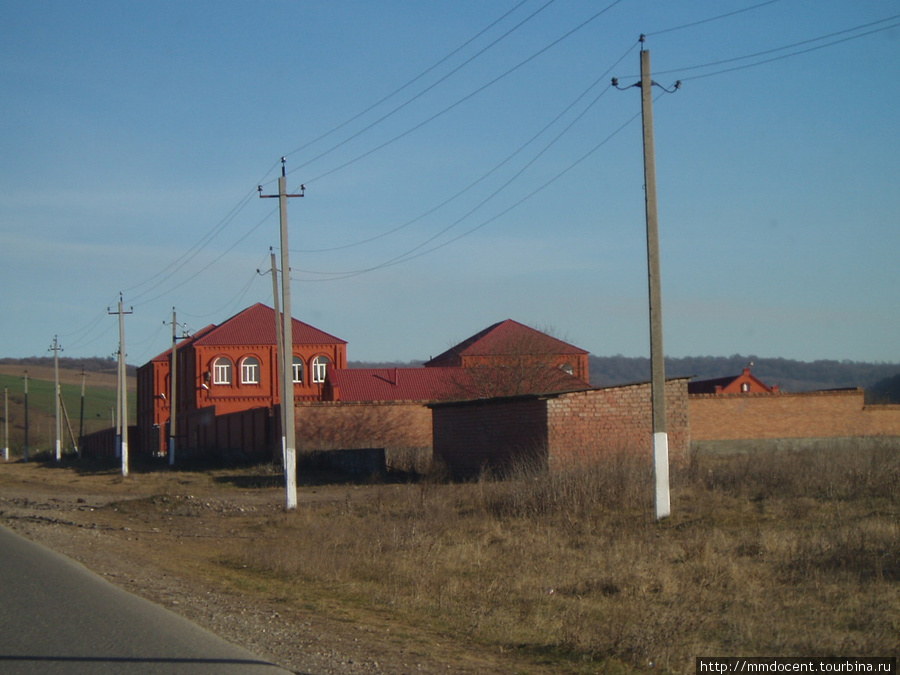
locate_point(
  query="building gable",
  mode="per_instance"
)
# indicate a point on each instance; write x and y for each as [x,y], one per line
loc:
[503,339]
[256,326]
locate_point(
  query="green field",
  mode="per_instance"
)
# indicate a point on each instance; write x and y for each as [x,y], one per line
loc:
[99,406]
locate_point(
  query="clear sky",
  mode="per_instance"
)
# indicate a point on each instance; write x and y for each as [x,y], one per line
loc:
[465,162]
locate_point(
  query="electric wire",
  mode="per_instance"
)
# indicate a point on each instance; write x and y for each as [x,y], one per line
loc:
[415,79]
[416,252]
[185,258]
[213,261]
[413,254]
[464,98]
[483,177]
[712,18]
[783,48]
[234,298]
[192,252]
[530,195]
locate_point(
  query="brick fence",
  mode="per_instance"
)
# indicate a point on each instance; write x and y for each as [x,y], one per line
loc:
[738,421]
[586,425]
[402,428]
[556,430]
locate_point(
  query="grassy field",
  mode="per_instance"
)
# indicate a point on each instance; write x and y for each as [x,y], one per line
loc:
[99,400]
[768,555]
[792,554]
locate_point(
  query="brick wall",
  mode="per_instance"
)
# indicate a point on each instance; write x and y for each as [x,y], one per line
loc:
[490,434]
[246,435]
[823,414]
[403,429]
[583,426]
[559,429]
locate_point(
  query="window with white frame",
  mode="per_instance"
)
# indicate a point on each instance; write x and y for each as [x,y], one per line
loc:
[298,370]
[250,370]
[320,368]
[221,371]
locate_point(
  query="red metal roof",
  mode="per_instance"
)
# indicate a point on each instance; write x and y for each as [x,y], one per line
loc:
[428,384]
[396,384]
[256,326]
[505,338]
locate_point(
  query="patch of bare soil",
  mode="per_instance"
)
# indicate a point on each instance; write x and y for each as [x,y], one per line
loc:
[157,534]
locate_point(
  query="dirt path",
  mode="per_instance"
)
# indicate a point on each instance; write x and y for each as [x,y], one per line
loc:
[154,535]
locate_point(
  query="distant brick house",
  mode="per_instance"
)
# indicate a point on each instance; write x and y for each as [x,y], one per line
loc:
[386,408]
[745,383]
[511,346]
[230,368]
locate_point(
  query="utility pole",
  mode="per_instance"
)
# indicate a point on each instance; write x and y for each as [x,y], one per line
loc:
[56,349]
[25,449]
[173,388]
[122,399]
[657,354]
[279,341]
[173,382]
[6,424]
[287,380]
[81,416]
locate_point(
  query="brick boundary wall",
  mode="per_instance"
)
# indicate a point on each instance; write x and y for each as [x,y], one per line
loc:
[248,435]
[822,414]
[584,426]
[470,437]
[402,428]
[490,434]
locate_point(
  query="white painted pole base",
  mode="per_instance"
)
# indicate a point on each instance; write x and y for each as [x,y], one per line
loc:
[290,478]
[661,471]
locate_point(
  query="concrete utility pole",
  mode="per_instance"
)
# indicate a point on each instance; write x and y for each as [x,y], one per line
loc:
[56,349]
[81,417]
[287,379]
[279,341]
[5,424]
[122,399]
[25,448]
[657,354]
[173,388]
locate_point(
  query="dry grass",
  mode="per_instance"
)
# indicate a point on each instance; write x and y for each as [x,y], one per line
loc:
[791,554]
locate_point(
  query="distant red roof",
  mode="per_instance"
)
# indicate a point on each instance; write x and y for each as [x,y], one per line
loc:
[505,338]
[256,326]
[746,383]
[423,384]
[395,384]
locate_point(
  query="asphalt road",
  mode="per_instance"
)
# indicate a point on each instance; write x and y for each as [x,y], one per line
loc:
[58,617]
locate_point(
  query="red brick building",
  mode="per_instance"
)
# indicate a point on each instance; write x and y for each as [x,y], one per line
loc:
[745,383]
[231,368]
[511,345]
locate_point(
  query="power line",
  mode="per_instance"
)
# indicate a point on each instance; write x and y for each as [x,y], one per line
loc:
[192,252]
[466,97]
[415,79]
[210,263]
[712,18]
[180,262]
[785,47]
[484,176]
[411,255]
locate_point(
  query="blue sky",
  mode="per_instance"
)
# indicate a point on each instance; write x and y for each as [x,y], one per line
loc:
[503,181]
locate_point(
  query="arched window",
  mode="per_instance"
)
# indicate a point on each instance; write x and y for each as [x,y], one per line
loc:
[222,371]
[320,368]
[250,370]
[298,370]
